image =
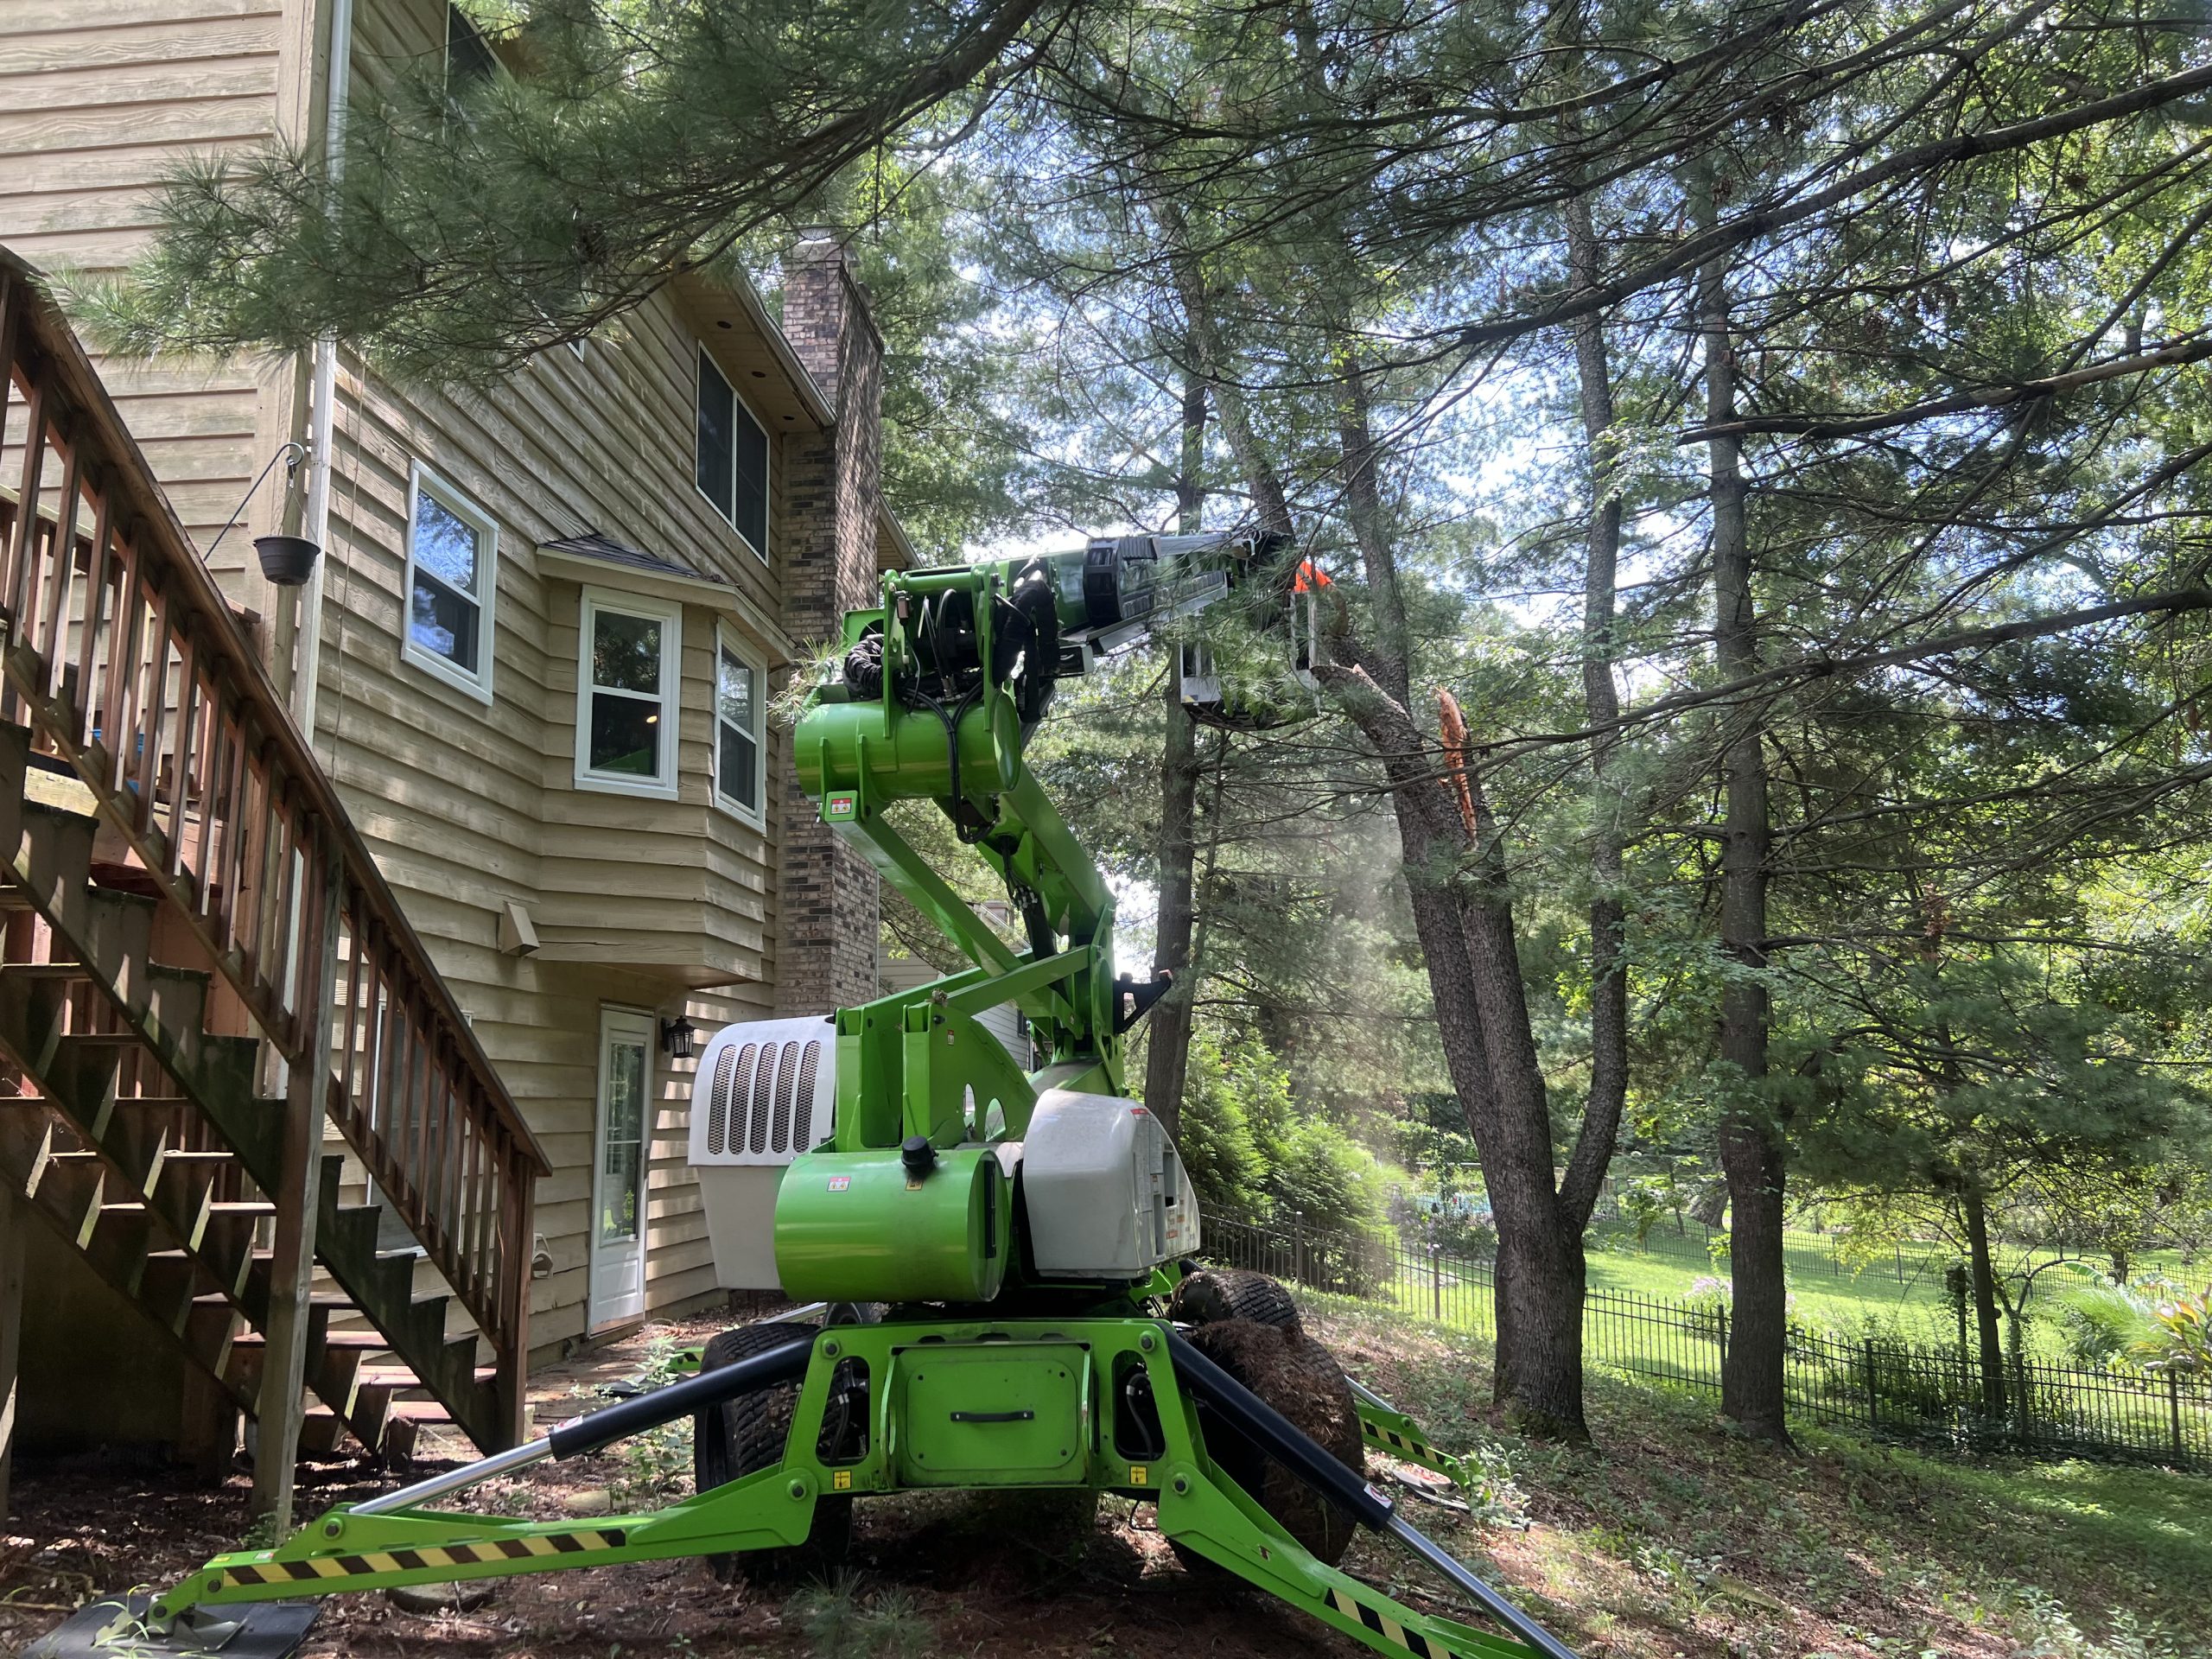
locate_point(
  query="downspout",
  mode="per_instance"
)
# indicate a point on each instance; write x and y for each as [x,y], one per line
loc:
[325,392]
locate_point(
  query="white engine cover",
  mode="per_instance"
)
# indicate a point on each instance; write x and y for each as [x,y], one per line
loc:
[1103,1189]
[765,1091]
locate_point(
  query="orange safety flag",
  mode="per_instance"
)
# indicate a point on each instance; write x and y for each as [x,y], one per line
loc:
[1311,577]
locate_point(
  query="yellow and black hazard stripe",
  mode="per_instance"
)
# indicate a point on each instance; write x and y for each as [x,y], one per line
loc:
[1387,1627]
[371,1562]
[1397,1442]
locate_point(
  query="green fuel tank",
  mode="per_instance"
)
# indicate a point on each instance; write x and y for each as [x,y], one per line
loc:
[860,1227]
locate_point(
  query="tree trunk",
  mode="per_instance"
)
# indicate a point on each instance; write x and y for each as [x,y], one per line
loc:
[1539,1293]
[1474,982]
[1983,1278]
[1540,1281]
[1601,706]
[1270,502]
[1539,1297]
[1167,1051]
[1751,1153]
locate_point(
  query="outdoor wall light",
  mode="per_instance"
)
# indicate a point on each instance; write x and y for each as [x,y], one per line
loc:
[678,1037]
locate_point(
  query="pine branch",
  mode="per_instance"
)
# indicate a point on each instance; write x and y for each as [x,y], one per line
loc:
[1997,397]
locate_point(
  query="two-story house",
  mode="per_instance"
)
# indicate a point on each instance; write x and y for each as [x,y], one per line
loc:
[536,652]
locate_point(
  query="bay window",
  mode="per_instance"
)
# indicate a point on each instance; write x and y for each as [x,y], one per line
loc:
[628,693]
[739,725]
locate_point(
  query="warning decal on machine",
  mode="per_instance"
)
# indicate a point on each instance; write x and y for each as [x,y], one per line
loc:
[839,1183]
[1387,1627]
[411,1560]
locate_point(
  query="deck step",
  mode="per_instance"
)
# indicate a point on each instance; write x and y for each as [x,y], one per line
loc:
[149,1145]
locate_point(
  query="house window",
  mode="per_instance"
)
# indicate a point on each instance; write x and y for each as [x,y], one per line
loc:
[451,576]
[740,689]
[733,457]
[469,61]
[627,695]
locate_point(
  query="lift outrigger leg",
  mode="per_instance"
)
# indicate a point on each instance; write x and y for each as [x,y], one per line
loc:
[1071,1373]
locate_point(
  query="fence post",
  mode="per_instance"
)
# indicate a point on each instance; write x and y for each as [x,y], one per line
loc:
[1436,1283]
[1873,1388]
[1722,1314]
[2173,1415]
[1297,1245]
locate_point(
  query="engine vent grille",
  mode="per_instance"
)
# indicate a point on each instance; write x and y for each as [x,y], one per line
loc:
[761,1100]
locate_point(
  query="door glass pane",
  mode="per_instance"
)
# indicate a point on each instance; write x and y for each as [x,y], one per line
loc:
[625,736]
[626,652]
[717,415]
[623,1168]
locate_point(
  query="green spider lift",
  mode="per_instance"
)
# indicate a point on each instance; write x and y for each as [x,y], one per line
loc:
[998,1243]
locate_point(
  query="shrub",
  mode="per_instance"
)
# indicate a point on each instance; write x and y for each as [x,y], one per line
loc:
[1219,1150]
[1705,1306]
[1253,1155]
[2149,1324]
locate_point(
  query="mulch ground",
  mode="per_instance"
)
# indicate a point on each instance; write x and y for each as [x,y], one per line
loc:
[969,1582]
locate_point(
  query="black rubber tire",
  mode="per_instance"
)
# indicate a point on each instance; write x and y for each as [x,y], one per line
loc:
[1300,1379]
[749,1434]
[1212,1294]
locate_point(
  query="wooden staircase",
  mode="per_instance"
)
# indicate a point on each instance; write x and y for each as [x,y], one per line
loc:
[211,1004]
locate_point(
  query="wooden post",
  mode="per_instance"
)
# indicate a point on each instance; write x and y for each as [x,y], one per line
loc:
[513,1359]
[210,1439]
[282,1404]
[13,1220]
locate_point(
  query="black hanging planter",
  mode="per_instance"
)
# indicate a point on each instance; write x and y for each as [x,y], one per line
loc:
[286,560]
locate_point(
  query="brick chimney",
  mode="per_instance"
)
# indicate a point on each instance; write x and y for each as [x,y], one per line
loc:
[826,945]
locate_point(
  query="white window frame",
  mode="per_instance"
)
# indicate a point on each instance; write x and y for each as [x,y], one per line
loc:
[727,638]
[669,615]
[422,481]
[705,359]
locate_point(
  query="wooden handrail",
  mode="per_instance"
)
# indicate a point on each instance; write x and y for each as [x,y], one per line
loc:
[124,658]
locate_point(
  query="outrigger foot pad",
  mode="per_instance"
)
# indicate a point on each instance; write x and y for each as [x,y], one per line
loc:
[115,1628]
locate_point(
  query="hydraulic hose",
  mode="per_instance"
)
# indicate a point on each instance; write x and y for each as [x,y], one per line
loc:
[784,1363]
[1282,1440]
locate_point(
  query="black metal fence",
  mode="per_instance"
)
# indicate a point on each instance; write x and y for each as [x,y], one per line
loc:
[1878,1383]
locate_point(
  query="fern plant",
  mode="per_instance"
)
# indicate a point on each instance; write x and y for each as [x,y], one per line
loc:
[2149,1324]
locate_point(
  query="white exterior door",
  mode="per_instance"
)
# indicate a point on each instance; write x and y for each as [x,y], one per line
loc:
[618,1181]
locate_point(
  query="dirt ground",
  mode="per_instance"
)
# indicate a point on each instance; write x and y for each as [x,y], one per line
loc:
[932,1574]
[1667,1538]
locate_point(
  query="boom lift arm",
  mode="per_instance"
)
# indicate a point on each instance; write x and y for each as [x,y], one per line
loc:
[941,689]
[1023,1222]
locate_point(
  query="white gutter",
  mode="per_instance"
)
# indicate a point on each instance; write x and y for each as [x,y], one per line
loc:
[325,392]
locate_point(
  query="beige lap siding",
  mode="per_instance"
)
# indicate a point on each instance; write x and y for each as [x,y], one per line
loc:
[97,99]
[660,905]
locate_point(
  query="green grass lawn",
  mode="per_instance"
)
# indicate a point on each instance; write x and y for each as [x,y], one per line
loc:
[1672,1535]
[1902,1289]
